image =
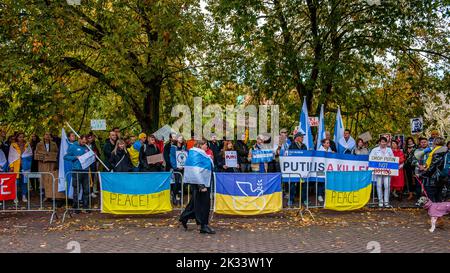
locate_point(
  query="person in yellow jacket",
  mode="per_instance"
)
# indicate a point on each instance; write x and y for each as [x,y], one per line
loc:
[20,158]
[134,151]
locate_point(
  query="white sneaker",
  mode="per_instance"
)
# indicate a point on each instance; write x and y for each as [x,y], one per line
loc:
[24,199]
[380,205]
[320,198]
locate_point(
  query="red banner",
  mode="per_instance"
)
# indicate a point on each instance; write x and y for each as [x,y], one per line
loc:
[7,186]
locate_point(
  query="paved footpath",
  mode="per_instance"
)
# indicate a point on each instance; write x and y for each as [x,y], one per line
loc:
[397,230]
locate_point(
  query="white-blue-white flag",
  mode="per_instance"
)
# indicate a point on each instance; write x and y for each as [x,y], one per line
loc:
[304,127]
[64,166]
[321,132]
[338,127]
[198,167]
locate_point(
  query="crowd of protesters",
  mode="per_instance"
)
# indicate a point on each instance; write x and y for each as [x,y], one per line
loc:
[422,162]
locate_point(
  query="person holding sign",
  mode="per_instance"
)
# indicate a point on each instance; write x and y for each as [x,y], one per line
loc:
[80,176]
[178,166]
[297,145]
[382,180]
[46,154]
[263,165]
[120,158]
[150,157]
[227,161]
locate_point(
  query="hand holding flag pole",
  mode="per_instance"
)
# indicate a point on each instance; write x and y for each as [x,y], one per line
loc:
[88,147]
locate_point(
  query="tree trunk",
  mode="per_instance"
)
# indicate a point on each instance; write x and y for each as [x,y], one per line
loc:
[149,118]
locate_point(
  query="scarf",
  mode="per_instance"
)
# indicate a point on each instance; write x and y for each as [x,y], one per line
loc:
[430,156]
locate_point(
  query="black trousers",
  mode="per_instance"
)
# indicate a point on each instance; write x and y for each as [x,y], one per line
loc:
[80,179]
[409,177]
[198,206]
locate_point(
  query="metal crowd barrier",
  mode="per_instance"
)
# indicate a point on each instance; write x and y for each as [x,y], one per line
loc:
[34,203]
[318,174]
[70,206]
[94,202]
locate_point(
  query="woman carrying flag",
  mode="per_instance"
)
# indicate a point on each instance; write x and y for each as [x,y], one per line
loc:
[198,173]
[20,158]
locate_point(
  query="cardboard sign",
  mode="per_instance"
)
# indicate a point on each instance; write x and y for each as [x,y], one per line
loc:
[366,137]
[231,159]
[181,158]
[314,121]
[416,125]
[98,124]
[384,165]
[153,159]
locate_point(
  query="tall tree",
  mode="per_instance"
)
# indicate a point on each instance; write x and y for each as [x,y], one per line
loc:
[319,48]
[126,48]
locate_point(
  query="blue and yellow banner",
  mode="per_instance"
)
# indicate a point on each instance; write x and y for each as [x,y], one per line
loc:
[248,193]
[347,190]
[135,193]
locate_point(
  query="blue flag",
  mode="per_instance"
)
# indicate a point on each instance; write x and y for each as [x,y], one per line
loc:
[305,128]
[321,133]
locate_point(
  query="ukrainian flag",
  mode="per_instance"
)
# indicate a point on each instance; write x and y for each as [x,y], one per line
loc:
[248,193]
[347,190]
[135,193]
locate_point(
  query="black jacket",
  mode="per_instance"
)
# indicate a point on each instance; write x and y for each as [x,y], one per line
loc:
[296,146]
[432,174]
[242,151]
[121,161]
[166,155]
[148,150]
[107,150]
[215,148]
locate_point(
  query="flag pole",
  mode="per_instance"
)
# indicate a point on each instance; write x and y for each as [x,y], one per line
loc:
[88,147]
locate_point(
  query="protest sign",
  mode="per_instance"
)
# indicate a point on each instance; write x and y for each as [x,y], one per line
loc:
[384,165]
[231,159]
[181,157]
[98,124]
[313,121]
[312,163]
[366,137]
[153,159]
[87,159]
[416,125]
[7,187]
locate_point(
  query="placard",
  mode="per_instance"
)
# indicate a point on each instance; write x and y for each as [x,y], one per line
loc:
[366,137]
[416,125]
[98,125]
[87,160]
[231,159]
[153,159]
[181,157]
[313,121]
[384,165]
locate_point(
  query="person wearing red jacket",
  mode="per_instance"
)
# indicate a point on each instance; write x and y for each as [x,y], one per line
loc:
[398,182]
